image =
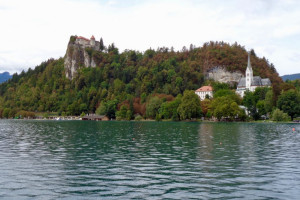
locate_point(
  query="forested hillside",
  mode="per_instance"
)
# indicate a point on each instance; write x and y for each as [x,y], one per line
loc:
[130,78]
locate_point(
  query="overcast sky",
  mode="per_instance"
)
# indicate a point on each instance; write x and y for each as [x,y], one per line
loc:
[34,30]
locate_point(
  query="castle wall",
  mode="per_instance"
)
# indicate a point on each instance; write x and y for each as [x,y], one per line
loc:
[82,42]
[88,43]
[97,46]
[92,42]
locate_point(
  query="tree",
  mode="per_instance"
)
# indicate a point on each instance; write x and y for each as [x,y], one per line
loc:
[122,113]
[101,110]
[260,93]
[205,105]
[223,92]
[168,110]
[129,114]
[102,47]
[152,107]
[269,101]
[111,47]
[220,86]
[83,107]
[226,108]
[6,112]
[107,108]
[279,115]
[190,106]
[250,101]
[118,86]
[111,107]
[289,102]
[82,114]
[260,105]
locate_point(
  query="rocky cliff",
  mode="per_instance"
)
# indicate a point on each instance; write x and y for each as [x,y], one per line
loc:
[78,55]
[220,74]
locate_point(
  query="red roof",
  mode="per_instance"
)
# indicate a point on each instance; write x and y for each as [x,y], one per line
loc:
[83,38]
[92,37]
[205,89]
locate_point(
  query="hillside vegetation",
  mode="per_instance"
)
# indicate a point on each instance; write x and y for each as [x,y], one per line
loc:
[130,79]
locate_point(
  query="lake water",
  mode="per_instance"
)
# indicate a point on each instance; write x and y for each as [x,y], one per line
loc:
[148,160]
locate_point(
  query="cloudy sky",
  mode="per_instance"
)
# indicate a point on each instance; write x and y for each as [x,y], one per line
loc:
[34,30]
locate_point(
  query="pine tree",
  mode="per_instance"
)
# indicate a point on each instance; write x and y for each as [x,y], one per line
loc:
[102,47]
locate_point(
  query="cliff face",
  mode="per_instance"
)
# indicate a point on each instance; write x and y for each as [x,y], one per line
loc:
[220,74]
[77,56]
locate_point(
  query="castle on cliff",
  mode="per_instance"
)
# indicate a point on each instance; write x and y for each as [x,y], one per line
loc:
[251,82]
[78,54]
[92,43]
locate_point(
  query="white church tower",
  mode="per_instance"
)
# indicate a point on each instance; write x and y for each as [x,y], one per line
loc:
[249,74]
[249,82]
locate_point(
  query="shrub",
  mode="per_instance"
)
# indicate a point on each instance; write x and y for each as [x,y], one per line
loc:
[25,114]
[82,114]
[138,118]
[72,39]
[279,115]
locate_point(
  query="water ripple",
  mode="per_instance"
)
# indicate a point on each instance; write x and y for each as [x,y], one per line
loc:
[148,160]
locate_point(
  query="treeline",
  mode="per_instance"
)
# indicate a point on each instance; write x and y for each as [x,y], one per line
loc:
[154,84]
[260,103]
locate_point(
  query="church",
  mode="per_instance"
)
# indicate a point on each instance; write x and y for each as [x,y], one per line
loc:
[249,82]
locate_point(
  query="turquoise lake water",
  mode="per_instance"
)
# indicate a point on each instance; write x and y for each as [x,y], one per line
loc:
[148,160]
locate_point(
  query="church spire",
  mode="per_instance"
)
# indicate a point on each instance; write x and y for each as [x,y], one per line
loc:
[249,74]
[249,63]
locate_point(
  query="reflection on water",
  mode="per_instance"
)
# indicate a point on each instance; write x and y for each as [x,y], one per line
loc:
[153,160]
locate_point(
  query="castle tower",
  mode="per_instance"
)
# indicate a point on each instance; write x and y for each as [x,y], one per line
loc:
[92,41]
[249,74]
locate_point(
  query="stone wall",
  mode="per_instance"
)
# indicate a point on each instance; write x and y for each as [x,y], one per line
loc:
[82,42]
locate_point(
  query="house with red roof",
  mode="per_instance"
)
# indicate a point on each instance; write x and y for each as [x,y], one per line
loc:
[203,91]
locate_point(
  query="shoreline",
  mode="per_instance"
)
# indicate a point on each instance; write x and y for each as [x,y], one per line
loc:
[147,120]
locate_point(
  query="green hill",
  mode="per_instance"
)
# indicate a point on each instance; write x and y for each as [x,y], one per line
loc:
[127,78]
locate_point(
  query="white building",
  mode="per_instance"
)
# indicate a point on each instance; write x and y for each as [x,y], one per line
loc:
[203,91]
[249,82]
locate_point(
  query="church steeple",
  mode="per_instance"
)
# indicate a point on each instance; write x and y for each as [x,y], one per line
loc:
[249,63]
[249,73]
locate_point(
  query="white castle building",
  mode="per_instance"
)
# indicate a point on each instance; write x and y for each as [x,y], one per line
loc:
[249,82]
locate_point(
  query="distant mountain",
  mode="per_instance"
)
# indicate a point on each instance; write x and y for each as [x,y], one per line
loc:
[290,77]
[4,77]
